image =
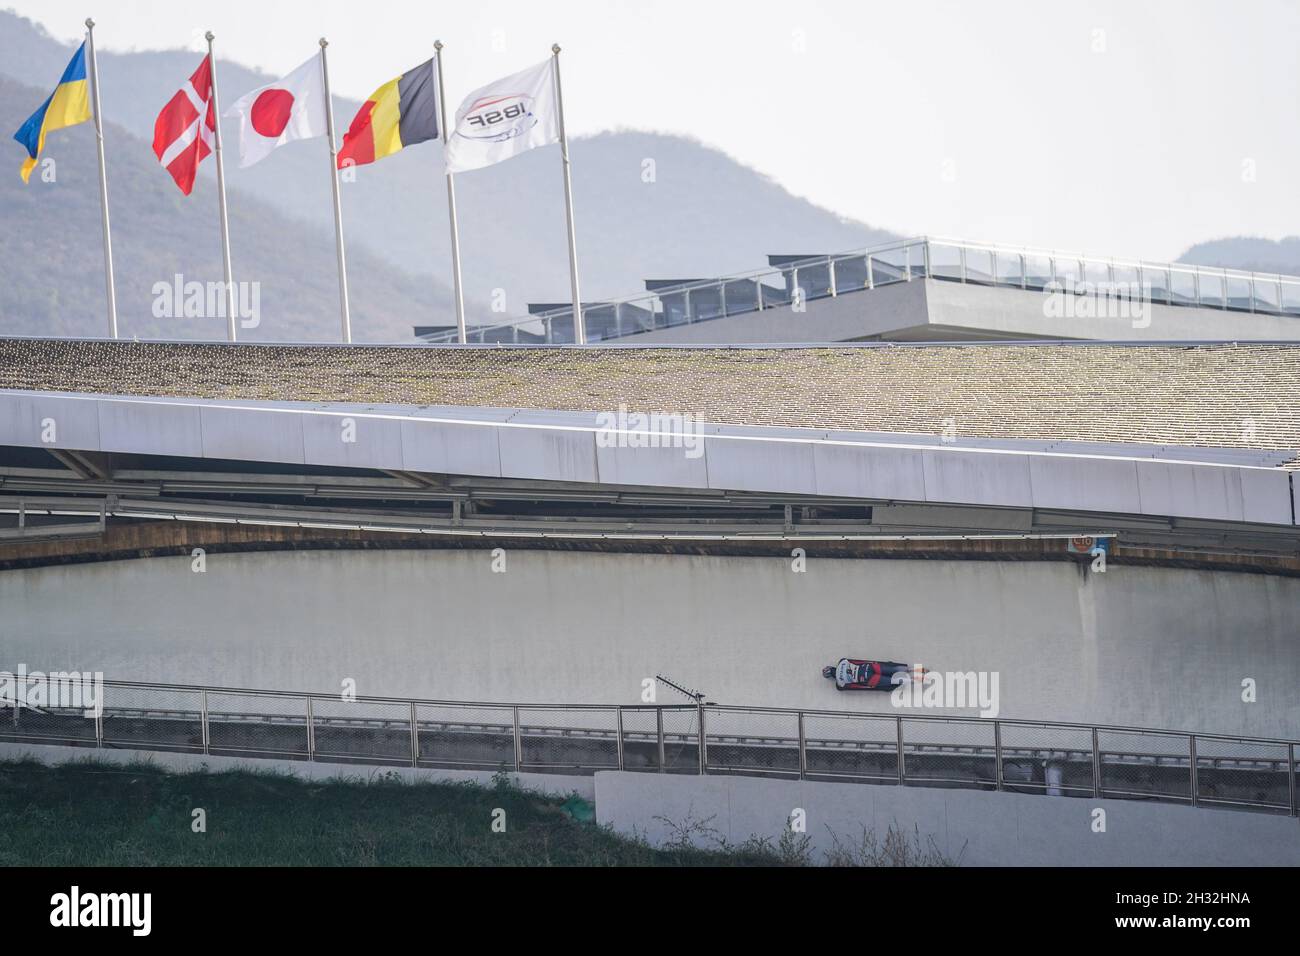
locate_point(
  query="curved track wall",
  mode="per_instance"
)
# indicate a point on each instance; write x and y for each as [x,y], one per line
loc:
[1140,646]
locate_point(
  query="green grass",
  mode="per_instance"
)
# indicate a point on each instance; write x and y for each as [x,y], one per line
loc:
[91,813]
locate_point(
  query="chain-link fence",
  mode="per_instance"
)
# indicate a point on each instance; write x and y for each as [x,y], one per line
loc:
[1147,764]
[643,742]
[752,741]
[943,751]
[569,739]
[851,746]
[456,735]
[55,725]
[1046,758]
[152,718]
[1232,771]
[244,723]
[681,740]
[937,751]
[361,731]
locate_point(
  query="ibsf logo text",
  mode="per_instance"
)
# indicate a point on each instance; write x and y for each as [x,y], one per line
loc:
[500,118]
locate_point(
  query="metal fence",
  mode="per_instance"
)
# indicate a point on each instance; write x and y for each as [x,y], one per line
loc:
[906,749]
[956,260]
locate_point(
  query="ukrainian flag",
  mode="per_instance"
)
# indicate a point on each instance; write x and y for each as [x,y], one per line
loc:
[68,105]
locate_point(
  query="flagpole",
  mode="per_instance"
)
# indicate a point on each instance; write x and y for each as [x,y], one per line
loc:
[451,207]
[103,182]
[338,203]
[221,195]
[579,326]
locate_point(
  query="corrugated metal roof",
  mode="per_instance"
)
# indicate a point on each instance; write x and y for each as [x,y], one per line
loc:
[1222,395]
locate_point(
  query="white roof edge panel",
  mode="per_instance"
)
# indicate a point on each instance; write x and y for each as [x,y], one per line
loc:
[560,446]
[585,420]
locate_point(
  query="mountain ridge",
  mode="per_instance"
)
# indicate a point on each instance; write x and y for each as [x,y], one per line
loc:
[648,205]
[51,251]
[700,213]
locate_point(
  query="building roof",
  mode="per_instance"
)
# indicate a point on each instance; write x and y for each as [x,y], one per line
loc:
[959,290]
[1219,395]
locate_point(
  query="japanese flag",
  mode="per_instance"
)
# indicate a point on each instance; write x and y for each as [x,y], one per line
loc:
[293,108]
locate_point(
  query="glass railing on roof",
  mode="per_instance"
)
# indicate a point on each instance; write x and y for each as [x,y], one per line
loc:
[955,260]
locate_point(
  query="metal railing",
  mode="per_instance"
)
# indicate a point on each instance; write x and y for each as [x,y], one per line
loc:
[957,260]
[907,749]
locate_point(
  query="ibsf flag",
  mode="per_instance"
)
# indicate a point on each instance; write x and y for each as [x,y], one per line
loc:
[504,119]
[185,130]
[290,109]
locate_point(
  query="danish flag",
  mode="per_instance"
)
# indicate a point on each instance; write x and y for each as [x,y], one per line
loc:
[185,130]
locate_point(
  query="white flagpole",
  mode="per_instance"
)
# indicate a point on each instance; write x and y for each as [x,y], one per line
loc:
[579,326]
[221,195]
[338,203]
[451,207]
[103,181]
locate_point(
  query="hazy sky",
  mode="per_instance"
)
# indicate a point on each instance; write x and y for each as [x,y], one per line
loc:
[1127,128]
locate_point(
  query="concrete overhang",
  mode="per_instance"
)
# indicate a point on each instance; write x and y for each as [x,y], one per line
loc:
[942,310]
[1241,486]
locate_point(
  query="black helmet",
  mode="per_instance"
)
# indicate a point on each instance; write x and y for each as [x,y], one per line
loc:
[828,671]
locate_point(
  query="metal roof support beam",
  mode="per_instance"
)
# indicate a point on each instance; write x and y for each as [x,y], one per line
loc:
[86,465]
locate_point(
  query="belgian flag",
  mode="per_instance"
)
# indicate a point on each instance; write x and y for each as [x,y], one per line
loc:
[402,112]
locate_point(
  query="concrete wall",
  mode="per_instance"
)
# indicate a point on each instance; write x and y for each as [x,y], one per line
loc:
[971,827]
[1133,646]
[1021,312]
